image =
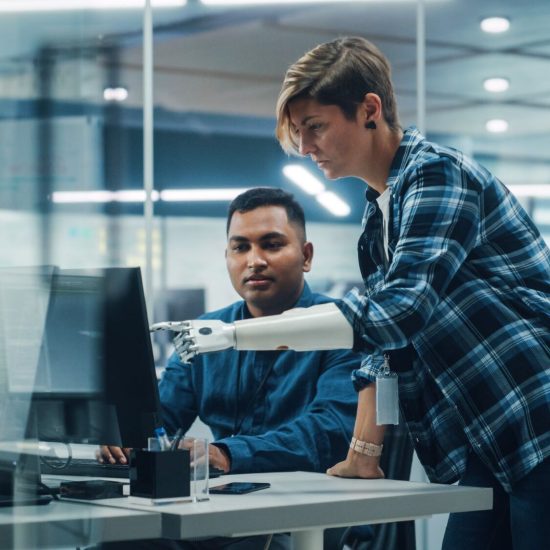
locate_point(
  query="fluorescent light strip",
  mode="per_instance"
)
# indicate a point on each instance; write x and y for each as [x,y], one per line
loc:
[333,203]
[260,2]
[298,175]
[535,190]
[303,179]
[138,195]
[15,6]
[83,197]
[194,195]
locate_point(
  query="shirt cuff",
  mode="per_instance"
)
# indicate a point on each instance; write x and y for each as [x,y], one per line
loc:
[359,343]
[239,454]
[361,379]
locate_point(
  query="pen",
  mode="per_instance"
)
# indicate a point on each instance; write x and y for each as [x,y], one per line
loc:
[162,438]
[177,438]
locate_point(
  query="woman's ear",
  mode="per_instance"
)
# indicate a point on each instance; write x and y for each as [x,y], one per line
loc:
[371,110]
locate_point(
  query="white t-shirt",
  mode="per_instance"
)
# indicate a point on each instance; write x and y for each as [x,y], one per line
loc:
[384,204]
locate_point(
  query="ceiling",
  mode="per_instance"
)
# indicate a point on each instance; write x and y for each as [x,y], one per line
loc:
[233,61]
[214,65]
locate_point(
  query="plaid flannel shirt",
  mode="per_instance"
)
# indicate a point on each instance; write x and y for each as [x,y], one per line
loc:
[464,302]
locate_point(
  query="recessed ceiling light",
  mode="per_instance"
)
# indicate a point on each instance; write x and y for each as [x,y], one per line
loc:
[496,125]
[495,24]
[118,93]
[496,85]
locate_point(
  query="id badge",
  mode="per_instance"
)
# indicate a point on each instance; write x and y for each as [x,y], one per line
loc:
[387,396]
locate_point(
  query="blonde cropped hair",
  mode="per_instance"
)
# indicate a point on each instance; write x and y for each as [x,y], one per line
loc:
[340,72]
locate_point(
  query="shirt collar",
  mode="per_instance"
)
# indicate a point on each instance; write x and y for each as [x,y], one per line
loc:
[410,142]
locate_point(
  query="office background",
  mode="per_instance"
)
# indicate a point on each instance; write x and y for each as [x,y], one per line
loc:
[75,97]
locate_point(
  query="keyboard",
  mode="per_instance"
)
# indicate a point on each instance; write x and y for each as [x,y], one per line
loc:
[90,467]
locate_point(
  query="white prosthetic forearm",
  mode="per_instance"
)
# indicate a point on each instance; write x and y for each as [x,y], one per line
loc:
[301,329]
[317,327]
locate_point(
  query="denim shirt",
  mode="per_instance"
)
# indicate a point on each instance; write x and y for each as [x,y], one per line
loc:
[301,419]
[465,305]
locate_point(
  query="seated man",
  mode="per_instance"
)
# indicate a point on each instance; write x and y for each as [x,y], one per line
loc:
[268,410]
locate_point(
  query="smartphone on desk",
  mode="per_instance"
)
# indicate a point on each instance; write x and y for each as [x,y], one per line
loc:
[238,488]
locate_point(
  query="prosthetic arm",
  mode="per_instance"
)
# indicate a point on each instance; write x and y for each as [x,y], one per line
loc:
[318,327]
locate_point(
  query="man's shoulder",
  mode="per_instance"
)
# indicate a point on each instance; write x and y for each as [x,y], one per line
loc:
[315,298]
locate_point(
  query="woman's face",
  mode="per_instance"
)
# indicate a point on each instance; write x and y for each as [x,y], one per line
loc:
[334,142]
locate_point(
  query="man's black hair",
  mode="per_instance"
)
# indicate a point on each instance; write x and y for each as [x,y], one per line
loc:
[268,196]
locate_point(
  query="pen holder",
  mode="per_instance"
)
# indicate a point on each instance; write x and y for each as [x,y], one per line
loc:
[160,476]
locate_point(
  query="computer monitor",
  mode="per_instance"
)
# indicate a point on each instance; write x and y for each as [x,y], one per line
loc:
[95,380]
[130,376]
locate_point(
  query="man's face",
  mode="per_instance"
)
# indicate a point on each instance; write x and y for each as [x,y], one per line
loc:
[266,258]
[333,141]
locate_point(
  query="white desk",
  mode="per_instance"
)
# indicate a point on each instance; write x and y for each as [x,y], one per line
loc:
[305,503]
[65,524]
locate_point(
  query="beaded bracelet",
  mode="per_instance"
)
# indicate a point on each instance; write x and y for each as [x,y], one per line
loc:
[365,448]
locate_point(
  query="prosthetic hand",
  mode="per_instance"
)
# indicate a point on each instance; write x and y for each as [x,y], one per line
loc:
[301,329]
[198,336]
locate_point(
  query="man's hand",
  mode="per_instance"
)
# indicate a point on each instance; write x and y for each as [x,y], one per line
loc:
[113,455]
[218,458]
[356,465]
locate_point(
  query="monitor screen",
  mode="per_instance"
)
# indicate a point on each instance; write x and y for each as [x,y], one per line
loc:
[69,392]
[71,357]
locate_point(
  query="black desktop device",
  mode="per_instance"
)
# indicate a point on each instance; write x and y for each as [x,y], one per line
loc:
[94,379]
[130,376]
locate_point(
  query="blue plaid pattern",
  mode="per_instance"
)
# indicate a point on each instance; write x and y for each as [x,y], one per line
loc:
[466,299]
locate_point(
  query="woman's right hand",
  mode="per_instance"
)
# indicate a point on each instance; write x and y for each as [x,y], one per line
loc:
[357,465]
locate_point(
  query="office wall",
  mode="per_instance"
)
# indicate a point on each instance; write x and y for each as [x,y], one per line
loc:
[187,252]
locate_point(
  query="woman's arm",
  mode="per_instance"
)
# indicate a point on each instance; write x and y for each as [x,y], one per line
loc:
[359,464]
